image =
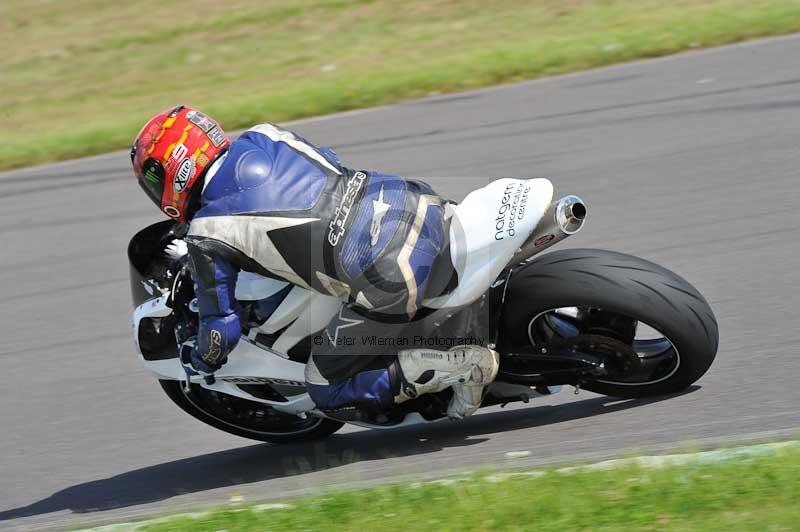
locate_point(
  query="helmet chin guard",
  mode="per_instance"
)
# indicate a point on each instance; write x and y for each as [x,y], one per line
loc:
[171,154]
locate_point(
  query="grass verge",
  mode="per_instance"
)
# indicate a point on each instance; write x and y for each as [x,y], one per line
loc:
[737,491]
[78,78]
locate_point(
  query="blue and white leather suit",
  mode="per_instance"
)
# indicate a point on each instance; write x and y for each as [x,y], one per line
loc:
[280,207]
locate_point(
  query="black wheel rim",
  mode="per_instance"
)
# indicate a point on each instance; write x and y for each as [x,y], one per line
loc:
[659,357]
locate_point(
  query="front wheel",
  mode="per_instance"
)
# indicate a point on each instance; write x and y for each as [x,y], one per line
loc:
[248,419]
[664,319]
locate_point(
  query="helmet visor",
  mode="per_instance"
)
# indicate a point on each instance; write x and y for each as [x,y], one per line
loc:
[151,179]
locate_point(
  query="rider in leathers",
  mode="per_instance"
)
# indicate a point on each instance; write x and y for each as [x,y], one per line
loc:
[273,204]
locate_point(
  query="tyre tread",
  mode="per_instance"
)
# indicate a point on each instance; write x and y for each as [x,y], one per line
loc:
[657,293]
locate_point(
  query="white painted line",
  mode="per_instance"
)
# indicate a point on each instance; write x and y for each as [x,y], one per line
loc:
[671,460]
[517,454]
[500,477]
[272,506]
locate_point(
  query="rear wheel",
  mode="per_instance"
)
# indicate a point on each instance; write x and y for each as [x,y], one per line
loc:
[592,293]
[248,419]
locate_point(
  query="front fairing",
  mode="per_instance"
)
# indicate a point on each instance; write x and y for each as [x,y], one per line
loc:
[143,249]
[153,260]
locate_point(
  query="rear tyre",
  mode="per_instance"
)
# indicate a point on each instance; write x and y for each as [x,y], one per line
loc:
[248,419]
[630,290]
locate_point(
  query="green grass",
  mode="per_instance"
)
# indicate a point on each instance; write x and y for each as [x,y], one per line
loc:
[755,493]
[80,77]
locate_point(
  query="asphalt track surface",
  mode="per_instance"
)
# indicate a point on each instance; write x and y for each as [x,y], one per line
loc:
[691,161]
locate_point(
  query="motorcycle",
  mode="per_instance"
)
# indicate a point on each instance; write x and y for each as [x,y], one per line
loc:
[603,321]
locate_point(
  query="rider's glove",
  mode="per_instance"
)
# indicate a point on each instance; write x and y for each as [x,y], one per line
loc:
[193,363]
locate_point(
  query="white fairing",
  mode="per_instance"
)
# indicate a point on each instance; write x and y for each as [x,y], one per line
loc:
[302,310]
[155,308]
[486,230]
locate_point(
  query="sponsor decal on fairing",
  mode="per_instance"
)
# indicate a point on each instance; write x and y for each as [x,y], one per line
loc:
[261,380]
[511,209]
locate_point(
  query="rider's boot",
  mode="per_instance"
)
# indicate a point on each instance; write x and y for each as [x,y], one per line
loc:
[468,369]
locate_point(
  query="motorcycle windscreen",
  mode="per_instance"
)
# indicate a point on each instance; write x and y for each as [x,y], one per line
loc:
[145,248]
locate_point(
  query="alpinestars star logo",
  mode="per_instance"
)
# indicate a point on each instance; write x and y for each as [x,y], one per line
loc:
[379,210]
[337,324]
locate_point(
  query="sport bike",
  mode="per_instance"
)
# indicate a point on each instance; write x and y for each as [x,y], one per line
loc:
[603,321]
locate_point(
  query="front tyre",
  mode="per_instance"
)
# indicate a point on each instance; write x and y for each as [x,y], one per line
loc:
[587,291]
[248,419]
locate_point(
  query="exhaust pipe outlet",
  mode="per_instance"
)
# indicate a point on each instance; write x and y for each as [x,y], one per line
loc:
[570,214]
[563,218]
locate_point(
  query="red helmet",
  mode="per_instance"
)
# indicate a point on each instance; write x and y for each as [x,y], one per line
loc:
[171,154]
